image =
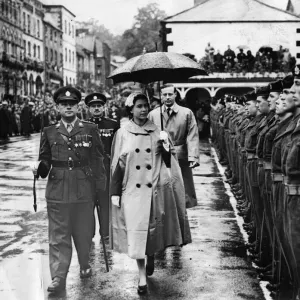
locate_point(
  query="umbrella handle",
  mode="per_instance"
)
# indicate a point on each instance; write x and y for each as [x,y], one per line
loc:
[161,114]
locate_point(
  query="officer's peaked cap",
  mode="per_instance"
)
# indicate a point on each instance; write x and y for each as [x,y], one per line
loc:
[95,97]
[67,93]
[287,82]
[276,86]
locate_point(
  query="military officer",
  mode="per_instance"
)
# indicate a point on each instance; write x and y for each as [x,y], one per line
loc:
[107,128]
[73,153]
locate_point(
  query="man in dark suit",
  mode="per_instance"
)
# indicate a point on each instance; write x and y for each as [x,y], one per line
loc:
[73,153]
[107,128]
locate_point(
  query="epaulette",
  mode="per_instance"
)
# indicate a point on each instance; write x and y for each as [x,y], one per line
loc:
[85,121]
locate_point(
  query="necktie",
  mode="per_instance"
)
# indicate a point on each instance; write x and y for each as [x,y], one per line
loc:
[169,111]
[69,127]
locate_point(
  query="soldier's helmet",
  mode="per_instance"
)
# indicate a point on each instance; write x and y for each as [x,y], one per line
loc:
[95,98]
[67,93]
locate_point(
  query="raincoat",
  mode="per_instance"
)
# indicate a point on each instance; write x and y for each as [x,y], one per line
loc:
[153,211]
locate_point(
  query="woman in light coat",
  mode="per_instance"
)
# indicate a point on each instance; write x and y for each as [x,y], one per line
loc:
[148,210]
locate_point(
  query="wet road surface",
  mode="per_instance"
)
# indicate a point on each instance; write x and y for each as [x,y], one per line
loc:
[214,266]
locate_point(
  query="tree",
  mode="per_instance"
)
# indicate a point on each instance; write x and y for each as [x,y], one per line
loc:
[144,33]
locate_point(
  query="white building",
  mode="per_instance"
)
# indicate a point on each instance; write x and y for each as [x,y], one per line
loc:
[65,21]
[235,23]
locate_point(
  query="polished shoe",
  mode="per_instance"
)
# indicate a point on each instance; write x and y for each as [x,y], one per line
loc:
[57,285]
[150,265]
[86,273]
[142,289]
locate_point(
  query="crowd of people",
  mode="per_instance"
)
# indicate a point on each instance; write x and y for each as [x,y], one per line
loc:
[265,60]
[257,138]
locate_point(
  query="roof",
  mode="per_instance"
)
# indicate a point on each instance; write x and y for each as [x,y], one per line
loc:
[55,3]
[232,11]
[79,50]
[48,18]
[87,42]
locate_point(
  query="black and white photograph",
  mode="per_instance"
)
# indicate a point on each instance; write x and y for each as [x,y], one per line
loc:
[150,149]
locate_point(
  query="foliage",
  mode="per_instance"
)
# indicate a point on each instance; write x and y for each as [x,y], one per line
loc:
[144,32]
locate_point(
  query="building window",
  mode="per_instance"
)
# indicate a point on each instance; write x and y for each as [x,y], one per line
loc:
[61,58]
[28,24]
[38,28]
[69,56]
[24,46]
[55,56]
[66,55]
[24,21]
[46,54]
[61,39]
[66,80]
[29,49]
[73,31]
[34,50]
[51,55]
[5,46]
[65,26]
[73,58]
[69,29]
[51,35]
[55,36]
[39,52]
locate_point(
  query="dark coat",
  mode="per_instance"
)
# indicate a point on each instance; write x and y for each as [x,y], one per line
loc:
[4,123]
[26,120]
[72,186]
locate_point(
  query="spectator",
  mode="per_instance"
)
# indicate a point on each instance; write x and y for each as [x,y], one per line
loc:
[26,119]
[4,121]
[218,60]
[250,61]
[241,56]
[209,52]
[229,56]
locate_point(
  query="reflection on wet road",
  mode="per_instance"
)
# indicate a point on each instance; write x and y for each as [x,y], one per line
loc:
[213,267]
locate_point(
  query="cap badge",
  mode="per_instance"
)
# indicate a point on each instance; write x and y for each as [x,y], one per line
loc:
[297,71]
[68,94]
[95,98]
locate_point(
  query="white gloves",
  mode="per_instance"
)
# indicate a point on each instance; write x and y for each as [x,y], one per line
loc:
[165,139]
[116,200]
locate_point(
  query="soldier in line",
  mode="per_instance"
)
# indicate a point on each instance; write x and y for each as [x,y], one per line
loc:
[107,129]
[73,153]
[266,137]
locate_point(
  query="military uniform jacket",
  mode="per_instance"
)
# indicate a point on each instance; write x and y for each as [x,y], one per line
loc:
[182,127]
[67,185]
[293,156]
[252,133]
[269,140]
[286,142]
[107,129]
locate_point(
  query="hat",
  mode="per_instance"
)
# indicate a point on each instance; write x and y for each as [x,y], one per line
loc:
[276,86]
[66,93]
[95,98]
[287,82]
[297,72]
[263,91]
[251,96]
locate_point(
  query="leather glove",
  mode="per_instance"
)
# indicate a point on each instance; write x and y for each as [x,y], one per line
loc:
[163,135]
[116,201]
[34,167]
[193,164]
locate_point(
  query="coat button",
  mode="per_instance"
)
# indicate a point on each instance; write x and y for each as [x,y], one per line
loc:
[148,150]
[137,150]
[149,185]
[138,167]
[149,167]
[138,185]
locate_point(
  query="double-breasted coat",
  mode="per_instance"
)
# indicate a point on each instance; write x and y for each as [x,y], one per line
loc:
[183,130]
[153,210]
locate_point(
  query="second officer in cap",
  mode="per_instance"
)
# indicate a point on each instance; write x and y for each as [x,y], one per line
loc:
[107,128]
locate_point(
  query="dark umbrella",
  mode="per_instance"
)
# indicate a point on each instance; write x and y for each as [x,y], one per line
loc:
[157,66]
[266,48]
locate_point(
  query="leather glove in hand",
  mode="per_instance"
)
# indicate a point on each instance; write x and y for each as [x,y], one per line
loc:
[116,200]
[163,135]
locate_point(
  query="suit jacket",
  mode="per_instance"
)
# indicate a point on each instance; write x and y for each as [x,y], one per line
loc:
[65,185]
[182,128]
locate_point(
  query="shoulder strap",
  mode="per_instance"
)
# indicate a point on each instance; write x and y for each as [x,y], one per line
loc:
[71,146]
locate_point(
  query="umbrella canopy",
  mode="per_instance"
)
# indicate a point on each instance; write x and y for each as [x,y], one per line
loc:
[244,47]
[266,48]
[156,66]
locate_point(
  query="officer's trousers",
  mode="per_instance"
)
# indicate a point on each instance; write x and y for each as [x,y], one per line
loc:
[67,221]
